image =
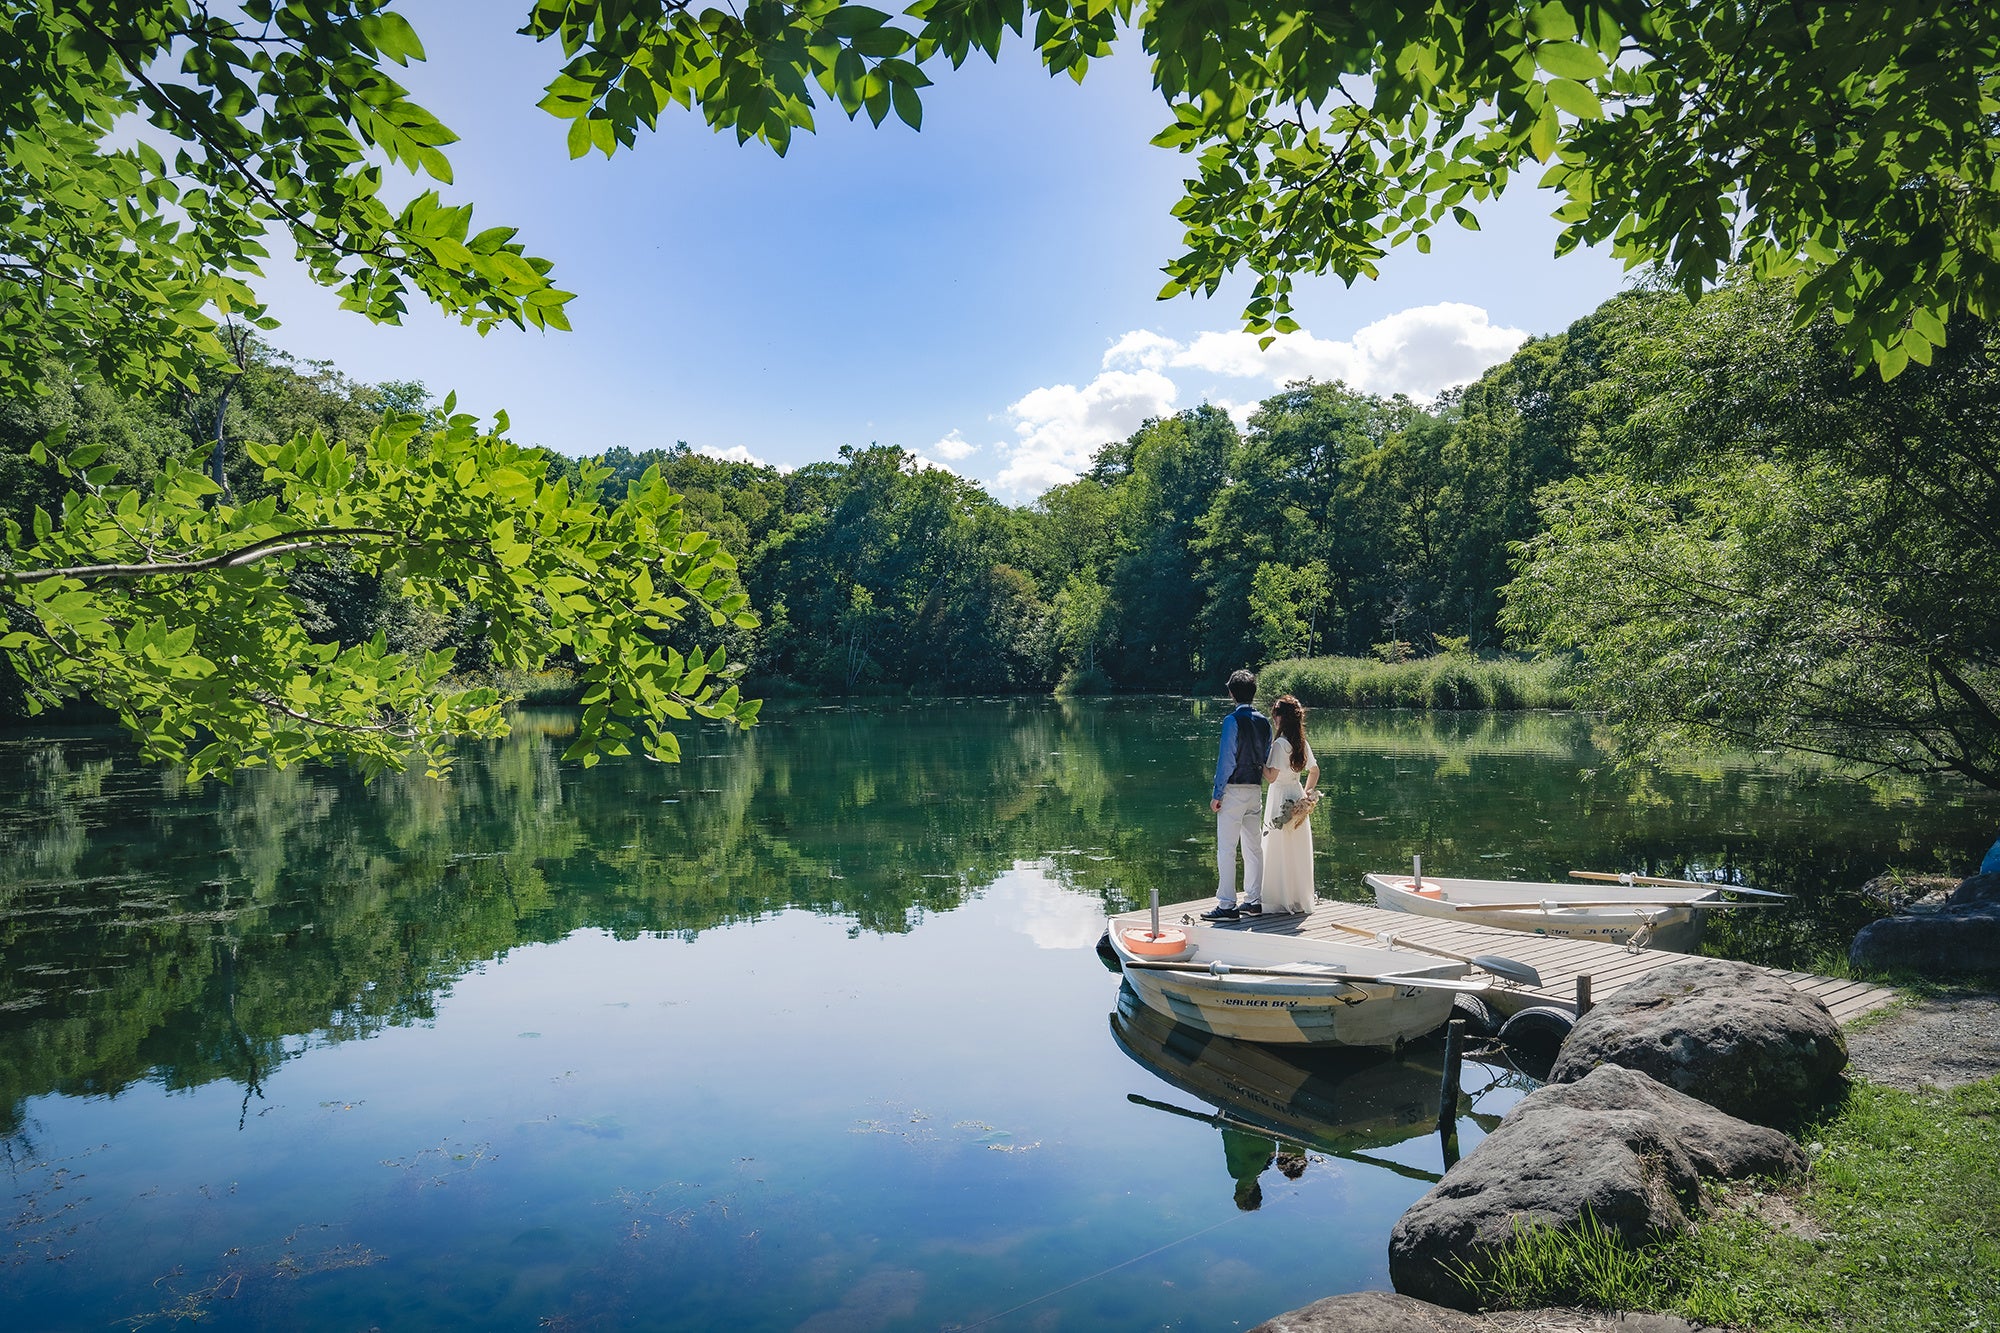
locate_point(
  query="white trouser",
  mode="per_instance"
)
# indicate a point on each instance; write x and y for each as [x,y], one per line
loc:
[1241,820]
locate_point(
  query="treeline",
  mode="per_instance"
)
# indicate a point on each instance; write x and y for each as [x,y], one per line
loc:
[1702,507]
[1336,522]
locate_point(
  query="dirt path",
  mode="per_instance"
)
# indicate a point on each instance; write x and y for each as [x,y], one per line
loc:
[1941,1042]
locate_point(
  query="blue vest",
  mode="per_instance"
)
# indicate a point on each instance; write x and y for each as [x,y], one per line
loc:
[1253,746]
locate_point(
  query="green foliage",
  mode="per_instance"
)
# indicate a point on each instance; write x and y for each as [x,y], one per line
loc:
[889,573]
[1447,682]
[1163,481]
[1082,682]
[1286,605]
[172,605]
[1847,148]
[152,145]
[1779,554]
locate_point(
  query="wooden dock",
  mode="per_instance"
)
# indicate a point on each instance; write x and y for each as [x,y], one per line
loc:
[1610,967]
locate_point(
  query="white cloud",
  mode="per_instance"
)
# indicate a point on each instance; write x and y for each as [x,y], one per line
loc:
[1421,352]
[1059,427]
[955,447]
[920,463]
[736,454]
[1141,349]
[1029,896]
[1238,412]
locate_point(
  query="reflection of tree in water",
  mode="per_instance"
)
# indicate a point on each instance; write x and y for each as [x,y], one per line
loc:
[189,935]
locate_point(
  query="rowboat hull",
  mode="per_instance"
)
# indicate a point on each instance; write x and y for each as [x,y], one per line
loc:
[1313,1008]
[1674,929]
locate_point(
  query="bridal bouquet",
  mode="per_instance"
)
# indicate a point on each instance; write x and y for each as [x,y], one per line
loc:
[1294,812]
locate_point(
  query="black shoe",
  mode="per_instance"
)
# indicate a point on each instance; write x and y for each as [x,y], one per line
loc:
[1220,913]
[1250,909]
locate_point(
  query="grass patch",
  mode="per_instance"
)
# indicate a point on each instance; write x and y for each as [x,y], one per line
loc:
[1895,1230]
[1581,1265]
[1450,681]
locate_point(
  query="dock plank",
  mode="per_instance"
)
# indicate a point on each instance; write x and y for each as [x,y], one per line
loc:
[1611,967]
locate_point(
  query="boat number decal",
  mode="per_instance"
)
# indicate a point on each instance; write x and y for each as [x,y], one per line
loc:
[1409,992]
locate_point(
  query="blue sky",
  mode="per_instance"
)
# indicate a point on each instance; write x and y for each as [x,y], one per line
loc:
[981,293]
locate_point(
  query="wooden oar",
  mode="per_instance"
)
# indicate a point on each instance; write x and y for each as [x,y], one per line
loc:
[1550,904]
[1654,881]
[1511,969]
[1222,969]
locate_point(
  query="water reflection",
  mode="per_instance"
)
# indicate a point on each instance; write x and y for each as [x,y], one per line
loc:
[1342,1103]
[189,935]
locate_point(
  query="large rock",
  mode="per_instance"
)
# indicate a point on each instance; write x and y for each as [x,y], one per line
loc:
[1960,939]
[1733,1036]
[1371,1312]
[1616,1146]
[1981,890]
[1940,944]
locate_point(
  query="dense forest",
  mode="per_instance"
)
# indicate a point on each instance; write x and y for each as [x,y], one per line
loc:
[1336,521]
[1701,504]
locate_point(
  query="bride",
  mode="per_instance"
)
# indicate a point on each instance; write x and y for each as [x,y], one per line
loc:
[1288,851]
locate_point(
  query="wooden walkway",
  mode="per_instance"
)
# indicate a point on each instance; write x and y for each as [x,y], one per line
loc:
[1610,967]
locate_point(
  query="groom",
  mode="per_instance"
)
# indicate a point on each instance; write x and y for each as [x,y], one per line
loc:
[1237,799]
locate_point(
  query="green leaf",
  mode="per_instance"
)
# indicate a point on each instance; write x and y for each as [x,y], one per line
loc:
[909,107]
[1543,136]
[1568,60]
[1576,99]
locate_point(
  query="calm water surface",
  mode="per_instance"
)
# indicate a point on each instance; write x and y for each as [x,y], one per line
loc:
[805,1033]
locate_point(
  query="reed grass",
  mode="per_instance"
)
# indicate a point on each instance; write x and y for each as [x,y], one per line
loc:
[1450,681]
[554,686]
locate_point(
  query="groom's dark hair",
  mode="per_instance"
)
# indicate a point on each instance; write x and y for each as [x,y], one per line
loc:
[1242,687]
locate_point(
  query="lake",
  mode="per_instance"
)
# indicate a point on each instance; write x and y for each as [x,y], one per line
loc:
[806,1032]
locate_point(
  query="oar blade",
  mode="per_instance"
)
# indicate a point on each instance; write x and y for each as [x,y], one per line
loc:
[1625,877]
[1508,969]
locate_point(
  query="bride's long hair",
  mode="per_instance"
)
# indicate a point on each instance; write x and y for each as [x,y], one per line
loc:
[1289,716]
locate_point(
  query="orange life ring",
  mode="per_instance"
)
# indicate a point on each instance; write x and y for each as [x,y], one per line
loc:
[1421,890]
[1146,944]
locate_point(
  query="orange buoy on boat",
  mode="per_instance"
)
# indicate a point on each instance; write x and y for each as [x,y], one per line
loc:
[1154,944]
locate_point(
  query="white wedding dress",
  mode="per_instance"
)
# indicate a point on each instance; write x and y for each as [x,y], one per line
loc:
[1288,855]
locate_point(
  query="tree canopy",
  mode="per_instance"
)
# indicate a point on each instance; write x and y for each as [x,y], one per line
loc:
[1848,147]
[1779,554]
[176,609]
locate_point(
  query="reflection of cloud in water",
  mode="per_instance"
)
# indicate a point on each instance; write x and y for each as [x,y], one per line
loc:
[1047,913]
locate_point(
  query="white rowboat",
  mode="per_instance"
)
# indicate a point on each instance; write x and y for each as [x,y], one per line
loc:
[1669,921]
[1287,991]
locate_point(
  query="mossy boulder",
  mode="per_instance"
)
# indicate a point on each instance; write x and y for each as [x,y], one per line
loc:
[1729,1034]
